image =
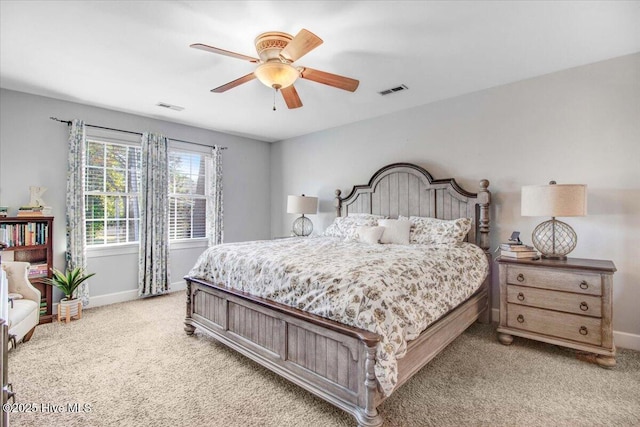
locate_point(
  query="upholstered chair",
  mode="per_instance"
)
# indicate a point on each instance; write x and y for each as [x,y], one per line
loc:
[24,302]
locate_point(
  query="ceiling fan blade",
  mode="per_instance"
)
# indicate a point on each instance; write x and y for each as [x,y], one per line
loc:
[212,49]
[329,79]
[290,95]
[232,84]
[304,42]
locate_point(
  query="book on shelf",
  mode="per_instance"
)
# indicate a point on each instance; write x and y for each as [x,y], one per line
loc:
[519,254]
[38,270]
[29,214]
[24,234]
[30,211]
[30,208]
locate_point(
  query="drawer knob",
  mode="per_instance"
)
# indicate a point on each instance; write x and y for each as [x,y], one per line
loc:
[520,296]
[584,306]
[520,277]
[583,330]
[584,285]
[520,319]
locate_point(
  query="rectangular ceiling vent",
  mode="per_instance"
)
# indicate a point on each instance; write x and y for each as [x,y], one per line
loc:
[169,106]
[393,90]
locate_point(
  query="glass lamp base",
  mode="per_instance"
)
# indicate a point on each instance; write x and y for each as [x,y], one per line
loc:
[554,239]
[302,226]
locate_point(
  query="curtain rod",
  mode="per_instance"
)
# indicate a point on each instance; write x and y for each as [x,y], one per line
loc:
[68,122]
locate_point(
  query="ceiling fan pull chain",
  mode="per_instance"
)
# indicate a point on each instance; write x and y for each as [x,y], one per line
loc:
[275,90]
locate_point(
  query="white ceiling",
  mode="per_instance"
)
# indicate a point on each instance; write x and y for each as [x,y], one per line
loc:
[130,55]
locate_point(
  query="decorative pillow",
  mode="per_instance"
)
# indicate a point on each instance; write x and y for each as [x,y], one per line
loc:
[345,226]
[334,230]
[425,230]
[395,231]
[349,224]
[368,234]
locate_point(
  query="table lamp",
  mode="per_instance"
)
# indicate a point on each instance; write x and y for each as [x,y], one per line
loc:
[554,239]
[302,226]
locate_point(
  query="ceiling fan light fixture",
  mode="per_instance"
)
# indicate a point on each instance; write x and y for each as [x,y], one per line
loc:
[277,75]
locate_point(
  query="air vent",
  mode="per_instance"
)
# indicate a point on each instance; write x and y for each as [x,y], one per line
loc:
[393,90]
[169,106]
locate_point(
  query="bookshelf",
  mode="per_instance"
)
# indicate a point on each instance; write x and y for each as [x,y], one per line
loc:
[30,239]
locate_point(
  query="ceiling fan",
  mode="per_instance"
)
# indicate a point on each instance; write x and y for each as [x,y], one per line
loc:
[278,51]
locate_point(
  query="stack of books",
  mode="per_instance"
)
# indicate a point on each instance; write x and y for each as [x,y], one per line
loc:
[30,211]
[518,250]
[38,270]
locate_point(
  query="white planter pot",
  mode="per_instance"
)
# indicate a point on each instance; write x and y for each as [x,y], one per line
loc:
[69,308]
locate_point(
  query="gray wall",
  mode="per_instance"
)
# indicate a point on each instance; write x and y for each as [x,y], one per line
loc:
[33,151]
[576,126]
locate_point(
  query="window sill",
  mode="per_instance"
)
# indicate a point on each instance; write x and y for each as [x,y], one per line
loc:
[112,250]
[132,248]
[188,244]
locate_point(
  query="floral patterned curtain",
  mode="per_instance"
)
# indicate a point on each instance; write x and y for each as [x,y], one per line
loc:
[153,273]
[76,245]
[215,208]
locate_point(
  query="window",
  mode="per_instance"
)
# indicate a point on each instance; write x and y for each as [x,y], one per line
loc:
[187,199]
[112,180]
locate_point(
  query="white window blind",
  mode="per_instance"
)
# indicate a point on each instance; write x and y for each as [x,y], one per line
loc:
[187,199]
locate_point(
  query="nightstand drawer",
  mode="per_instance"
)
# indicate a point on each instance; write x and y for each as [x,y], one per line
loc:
[569,326]
[588,305]
[583,283]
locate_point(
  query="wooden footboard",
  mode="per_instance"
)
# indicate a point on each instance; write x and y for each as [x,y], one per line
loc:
[331,360]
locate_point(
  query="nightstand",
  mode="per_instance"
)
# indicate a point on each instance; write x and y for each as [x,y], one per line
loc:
[566,303]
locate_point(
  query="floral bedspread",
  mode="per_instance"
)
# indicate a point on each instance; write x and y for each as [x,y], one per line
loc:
[395,291]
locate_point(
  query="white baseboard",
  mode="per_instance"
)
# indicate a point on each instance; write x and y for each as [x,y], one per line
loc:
[626,340]
[123,296]
[621,339]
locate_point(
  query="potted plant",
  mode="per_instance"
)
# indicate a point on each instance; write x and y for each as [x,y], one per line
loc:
[68,282]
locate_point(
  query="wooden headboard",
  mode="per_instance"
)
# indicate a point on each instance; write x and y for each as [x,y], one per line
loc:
[407,189]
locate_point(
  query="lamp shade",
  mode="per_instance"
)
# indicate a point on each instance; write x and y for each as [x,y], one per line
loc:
[554,200]
[302,204]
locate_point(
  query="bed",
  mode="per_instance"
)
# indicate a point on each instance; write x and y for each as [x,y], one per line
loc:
[318,348]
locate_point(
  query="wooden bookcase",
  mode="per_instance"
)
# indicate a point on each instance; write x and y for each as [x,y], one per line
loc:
[31,240]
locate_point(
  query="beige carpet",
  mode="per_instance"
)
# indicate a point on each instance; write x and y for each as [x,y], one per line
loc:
[133,365]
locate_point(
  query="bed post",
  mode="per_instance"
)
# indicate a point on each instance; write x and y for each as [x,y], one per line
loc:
[484,201]
[338,203]
[369,415]
[188,327]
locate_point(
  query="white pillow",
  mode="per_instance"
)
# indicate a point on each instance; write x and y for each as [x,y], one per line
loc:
[430,231]
[395,231]
[369,234]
